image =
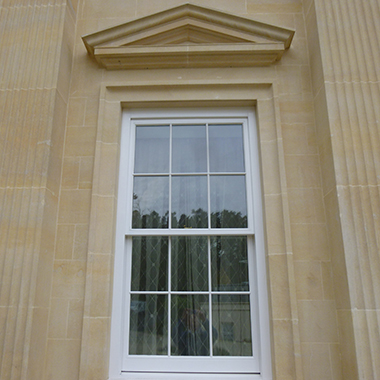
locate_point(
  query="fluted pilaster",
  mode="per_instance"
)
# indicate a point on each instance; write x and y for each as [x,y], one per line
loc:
[349,37]
[32,104]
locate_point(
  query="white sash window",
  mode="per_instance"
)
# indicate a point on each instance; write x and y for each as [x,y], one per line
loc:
[189,292]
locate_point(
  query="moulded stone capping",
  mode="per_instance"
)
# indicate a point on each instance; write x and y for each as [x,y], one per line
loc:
[188,36]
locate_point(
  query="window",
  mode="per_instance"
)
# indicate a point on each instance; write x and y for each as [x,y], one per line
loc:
[189,260]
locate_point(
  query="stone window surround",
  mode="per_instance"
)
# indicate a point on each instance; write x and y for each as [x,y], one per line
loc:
[99,278]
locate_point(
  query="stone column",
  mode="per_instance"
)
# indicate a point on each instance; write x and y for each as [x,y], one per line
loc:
[344,46]
[35,60]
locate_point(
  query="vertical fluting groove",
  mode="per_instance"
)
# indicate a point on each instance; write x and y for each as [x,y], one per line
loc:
[364,230]
[352,45]
[8,43]
[32,37]
[370,14]
[367,231]
[3,28]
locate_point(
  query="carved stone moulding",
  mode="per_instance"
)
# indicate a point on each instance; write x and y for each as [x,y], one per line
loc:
[188,36]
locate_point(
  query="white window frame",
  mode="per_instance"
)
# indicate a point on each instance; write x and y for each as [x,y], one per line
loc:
[260,325]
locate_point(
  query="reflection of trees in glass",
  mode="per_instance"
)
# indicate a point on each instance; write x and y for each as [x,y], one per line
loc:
[228,219]
[197,219]
[152,220]
[229,263]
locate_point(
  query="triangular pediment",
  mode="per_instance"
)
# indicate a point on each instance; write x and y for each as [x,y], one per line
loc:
[188,36]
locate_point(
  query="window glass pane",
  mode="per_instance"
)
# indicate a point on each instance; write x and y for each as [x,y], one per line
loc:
[190,325]
[150,202]
[148,333]
[189,202]
[231,316]
[189,263]
[152,149]
[149,263]
[228,201]
[226,148]
[229,263]
[189,149]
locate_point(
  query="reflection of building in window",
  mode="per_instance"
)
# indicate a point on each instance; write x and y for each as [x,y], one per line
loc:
[227,331]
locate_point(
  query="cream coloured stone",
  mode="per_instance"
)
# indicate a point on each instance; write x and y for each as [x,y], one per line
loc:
[70,173]
[306,205]
[274,226]
[80,141]
[279,290]
[318,321]
[65,242]
[76,111]
[310,241]
[314,354]
[188,36]
[69,278]
[308,280]
[283,349]
[75,319]
[302,171]
[62,358]
[327,281]
[80,242]
[74,206]
[338,53]
[86,165]
[271,175]
[58,318]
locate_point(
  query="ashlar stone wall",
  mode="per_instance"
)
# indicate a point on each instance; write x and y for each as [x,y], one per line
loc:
[59,149]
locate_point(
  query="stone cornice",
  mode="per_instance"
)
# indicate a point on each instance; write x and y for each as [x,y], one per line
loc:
[188,36]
